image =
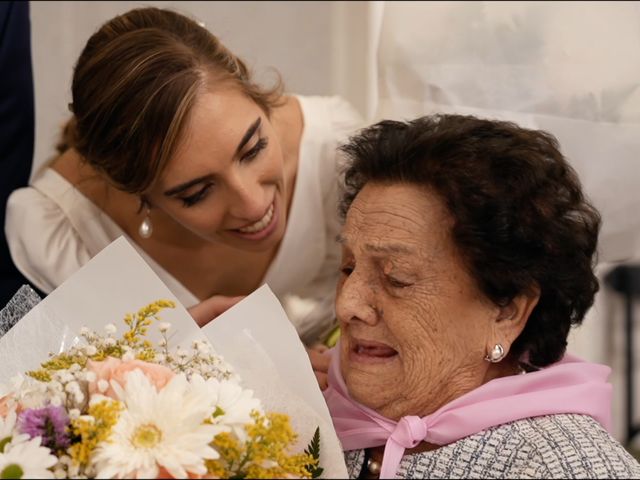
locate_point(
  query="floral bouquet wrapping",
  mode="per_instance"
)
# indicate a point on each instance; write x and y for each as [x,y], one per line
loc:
[109,377]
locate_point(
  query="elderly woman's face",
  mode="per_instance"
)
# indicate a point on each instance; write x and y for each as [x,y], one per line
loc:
[415,327]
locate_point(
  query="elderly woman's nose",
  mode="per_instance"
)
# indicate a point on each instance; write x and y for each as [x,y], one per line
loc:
[355,301]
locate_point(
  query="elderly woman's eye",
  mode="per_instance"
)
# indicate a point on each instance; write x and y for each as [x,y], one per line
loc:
[395,283]
[346,270]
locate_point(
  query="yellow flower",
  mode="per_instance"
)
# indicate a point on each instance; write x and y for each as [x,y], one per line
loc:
[93,430]
[264,454]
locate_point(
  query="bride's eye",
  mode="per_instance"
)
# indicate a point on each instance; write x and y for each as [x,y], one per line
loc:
[200,195]
[255,150]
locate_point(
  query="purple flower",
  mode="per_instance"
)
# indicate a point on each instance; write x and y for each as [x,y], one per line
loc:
[49,422]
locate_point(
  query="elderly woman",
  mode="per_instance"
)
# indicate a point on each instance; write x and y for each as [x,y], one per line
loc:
[468,249]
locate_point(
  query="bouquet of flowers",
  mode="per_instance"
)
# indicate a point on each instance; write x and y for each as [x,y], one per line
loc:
[130,404]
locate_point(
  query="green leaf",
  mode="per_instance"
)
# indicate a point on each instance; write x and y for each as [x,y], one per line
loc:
[313,449]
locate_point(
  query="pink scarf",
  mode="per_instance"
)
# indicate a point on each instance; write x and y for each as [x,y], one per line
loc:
[569,386]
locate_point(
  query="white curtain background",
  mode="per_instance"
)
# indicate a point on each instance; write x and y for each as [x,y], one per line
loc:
[571,68]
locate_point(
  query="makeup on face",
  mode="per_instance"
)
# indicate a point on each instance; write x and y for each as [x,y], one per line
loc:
[226,182]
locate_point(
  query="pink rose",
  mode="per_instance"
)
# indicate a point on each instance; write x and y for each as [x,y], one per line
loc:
[115,369]
[5,405]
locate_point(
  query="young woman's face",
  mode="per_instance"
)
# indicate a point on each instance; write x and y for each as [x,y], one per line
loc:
[226,182]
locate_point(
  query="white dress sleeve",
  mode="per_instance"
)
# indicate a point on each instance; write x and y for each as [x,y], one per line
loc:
[345,121]
[43,244]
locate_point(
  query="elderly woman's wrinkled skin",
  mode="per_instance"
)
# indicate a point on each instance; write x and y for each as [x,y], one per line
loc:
[411,315]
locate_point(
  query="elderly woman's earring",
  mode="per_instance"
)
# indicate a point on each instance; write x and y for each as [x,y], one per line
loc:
[496,354]
[146,227]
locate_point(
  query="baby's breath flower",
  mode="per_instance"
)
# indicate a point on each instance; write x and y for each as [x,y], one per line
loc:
[181,353]
[164,327]
[55,385]
[110,328]
[201,347]
[64,376]
[78,397]
[103,386]
[72,387]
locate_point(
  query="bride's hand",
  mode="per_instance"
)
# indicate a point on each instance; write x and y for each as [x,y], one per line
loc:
[210,308]
[320,360]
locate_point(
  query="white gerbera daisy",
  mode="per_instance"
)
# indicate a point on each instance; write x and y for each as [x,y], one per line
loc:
[234,406]
[157,429]
[8,433]
[7,424]
[27,460]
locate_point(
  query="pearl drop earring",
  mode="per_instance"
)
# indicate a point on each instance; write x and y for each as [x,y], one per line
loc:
[496,354]
[146,227]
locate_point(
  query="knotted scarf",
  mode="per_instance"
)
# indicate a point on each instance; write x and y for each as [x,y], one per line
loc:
[571,385]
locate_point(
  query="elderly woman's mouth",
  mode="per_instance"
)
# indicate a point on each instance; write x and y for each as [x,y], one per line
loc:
[370,351]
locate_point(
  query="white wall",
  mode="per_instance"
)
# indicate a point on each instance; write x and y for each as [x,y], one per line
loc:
[316,46]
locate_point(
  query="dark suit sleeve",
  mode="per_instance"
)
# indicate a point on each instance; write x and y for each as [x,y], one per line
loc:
[16,123]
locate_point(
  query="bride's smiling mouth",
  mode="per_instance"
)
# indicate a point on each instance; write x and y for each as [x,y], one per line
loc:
[261,228]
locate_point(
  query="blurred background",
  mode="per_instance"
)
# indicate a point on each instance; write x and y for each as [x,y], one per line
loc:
[572,68]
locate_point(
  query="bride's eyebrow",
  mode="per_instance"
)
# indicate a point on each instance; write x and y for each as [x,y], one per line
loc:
[248,134]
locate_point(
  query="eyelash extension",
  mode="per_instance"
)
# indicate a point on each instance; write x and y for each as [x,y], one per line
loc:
[251,154]
[196,197]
